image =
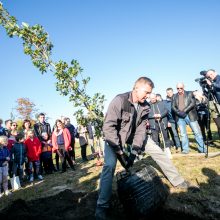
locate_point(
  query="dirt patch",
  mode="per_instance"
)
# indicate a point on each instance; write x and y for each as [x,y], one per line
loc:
[72,205]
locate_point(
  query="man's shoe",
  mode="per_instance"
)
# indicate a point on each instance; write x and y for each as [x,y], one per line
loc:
[184,185]
[184,152]
[101,213]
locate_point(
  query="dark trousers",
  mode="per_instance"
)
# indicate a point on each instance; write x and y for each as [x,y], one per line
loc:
[18,170]
[155,135]
[217,122]
[64,156]
[203,124]
[72,152]
[173,133]
[10,168]
[83,152]
[48,164]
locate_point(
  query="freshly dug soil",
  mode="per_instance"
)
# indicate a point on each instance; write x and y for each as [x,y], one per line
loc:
[74,205]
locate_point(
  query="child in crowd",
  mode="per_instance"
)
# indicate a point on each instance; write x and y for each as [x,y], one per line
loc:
[33,146]
[19,156]
[4,158]
[46,154]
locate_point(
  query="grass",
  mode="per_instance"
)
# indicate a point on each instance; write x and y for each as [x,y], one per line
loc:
[194,167]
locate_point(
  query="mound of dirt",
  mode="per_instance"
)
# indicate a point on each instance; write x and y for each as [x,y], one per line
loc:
[73,205]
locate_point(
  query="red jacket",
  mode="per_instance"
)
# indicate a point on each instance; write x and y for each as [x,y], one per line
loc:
[33,149]
[67,140]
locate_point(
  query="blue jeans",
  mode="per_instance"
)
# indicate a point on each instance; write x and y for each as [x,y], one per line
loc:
[175,135]
[182,122]
[105,187]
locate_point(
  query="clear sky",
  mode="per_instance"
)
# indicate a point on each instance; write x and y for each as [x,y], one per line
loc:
[115,42]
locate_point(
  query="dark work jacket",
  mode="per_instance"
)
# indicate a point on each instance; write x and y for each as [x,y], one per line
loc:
[158,108]
[120,124]
[190,106]
[38,130]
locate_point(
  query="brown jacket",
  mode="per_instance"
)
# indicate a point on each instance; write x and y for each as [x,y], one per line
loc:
[120,126]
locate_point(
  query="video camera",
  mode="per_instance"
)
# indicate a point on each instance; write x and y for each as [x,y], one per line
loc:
[203,83]
[202,80]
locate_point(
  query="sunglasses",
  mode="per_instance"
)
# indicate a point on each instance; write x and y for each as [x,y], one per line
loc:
[180,88]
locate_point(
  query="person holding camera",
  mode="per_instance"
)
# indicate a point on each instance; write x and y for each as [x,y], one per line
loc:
[184,107]
[212,91]
[125,124]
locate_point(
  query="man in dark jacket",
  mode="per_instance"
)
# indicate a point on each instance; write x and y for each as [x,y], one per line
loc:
[125,123]
[172,126]
[42,126]
[158,122]
[184,107]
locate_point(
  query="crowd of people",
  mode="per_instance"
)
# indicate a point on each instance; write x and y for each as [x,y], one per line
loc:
[29,153]
[140,120]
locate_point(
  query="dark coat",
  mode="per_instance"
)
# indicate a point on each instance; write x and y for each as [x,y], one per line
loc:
[190,106]
[39,128]
[158,108]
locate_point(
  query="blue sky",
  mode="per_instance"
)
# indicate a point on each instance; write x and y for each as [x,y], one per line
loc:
[115,42]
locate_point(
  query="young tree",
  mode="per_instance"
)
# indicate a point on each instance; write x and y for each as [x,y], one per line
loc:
[69,76]
[25,108]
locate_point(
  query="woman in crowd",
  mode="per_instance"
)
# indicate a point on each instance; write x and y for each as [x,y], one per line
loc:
[61,141]
[26,127]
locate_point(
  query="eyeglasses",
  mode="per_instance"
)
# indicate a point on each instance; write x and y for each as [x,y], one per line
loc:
[179,88]
[14,125]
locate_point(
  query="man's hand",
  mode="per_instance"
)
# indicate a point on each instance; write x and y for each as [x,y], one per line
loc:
[208,82]
[157,116]
[7,158]
[130,160]
[182,114]
[123,159]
